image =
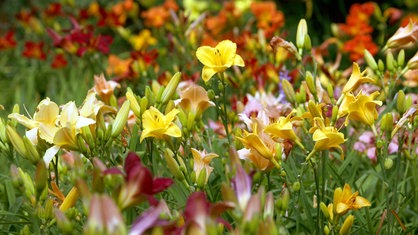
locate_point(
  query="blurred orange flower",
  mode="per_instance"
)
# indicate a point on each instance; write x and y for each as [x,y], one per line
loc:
[358,44]
[268,18]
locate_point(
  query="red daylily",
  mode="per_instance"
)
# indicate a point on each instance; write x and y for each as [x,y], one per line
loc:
[34,50]
[139,183]
[59,61]
[357,45]
[7,40]
[53,10]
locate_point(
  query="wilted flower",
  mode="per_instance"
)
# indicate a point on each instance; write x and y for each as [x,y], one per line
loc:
[345,200]
[158,125]
[218,59]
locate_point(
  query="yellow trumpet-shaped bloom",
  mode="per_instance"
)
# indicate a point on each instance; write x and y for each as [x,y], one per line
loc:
[201,160]
[218,59]
[283,129]
[356,79]
[345,200]
[158,125]
[326,137]
[360,108]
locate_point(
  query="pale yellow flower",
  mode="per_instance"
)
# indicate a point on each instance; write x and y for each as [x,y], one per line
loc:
[201,161]
[360,108]
[357,77]
[218,59]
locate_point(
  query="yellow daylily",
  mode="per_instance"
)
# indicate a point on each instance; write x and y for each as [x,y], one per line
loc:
[326,137]
[201,161]
[259,147]
[345,200]
[43,122]
[356,79]
[158,125]
[360,108]
[218,59]
[283,129]
[142,40]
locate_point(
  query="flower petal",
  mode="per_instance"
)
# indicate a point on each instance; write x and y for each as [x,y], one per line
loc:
[207,73]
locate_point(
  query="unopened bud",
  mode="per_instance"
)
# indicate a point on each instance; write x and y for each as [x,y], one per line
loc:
[400,102]
[324,209]
[390,62]
[150,96]
[388,163]
[121,119]
[348,223]
[285,199]
[301,32]
[136,108]
[32,152]
[401,58]
[201,179]
[310,81]
[313,109]
[386,123]
[288,91]
[381,65]
[296,186]
[41,177]
[170,90]
[370,60]
[63,222]
[16,141]
[334,114]
[70,199]
[172,164]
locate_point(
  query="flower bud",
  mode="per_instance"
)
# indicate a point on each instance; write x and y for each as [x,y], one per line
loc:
[334,114]
[324,210]
[170,90]
[144,104]
[370,60]
[288,91]
[150,97]
[285,196]
[121,119]
[388,163]
[16,141]
[400,102]
[348,222]
[172,164]
[201,179]
[386,123]
[296,186]
[381,65]
[302,31]
[88,136]
[390,62]
[32,152]
[401,58]
[310,81]
[307,44]
[326,230]
[41,177]
[70,199]
[313,109]
[135,107]
[63,222]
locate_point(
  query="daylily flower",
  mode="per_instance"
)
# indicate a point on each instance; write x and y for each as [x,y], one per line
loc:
[413,62]
[403,36]
[158,125]
[34,50]
[139,183]
[360,108]
[141,41]
[59,61]
[7,40]
[152,219]
[268,18]
[104,88]
[283,129]
[218,59]
[104,217]
[46,116]
[358,44]
[345,200]
[201,161]
[326,137]
[357,77]
[194,99]
[259,147]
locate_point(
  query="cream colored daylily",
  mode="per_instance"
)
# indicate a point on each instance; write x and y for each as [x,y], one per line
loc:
[201,161]
[43,122]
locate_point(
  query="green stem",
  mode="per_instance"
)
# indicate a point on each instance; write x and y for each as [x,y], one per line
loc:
[318,212]
[223,110]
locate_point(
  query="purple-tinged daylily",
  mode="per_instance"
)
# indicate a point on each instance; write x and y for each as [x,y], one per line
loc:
[139,183]
[151,219]
[104,217]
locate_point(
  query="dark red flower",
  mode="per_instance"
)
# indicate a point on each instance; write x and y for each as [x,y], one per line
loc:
[59,61]
[34,50]
[7,40]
